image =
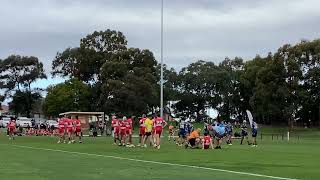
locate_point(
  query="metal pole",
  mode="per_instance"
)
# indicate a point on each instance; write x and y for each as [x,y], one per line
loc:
[161,75]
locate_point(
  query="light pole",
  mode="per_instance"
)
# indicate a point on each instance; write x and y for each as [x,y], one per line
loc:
[161,57]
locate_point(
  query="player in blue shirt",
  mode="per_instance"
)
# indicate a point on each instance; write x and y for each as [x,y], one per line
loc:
[229,130]
[254,133]
[182,132]
[220,132]
[189,127]
[244,131]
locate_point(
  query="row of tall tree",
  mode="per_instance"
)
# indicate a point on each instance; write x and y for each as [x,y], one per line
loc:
[280,88]
[17,73]
[104,74]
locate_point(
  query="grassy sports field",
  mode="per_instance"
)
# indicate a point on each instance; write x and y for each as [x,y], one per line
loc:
[40,158]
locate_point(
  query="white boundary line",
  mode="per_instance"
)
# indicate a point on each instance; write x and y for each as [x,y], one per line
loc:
[155,162]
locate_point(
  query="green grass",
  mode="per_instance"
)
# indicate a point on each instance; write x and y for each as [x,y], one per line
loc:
[296,159]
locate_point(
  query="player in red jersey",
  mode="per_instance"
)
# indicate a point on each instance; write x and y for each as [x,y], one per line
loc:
[159,125]
[129,131]
[62,128]
[142,129]
[123,129]
[70,130]
[115,128]
[11,128]
[77,124]
[207,142]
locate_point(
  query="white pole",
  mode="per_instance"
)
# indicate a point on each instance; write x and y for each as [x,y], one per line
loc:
[161,76]
[288,135]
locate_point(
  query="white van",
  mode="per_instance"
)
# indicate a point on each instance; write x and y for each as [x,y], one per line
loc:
[24,122]
[4,122]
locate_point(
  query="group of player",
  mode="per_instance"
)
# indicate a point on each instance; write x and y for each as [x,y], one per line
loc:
[218,131]
[245,134]
[190,137]
[152,127]
[150,130]
[122,131]
[13,131]
[30,131]
[68,129]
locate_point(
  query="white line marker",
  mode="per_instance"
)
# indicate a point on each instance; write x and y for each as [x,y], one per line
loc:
[156,162]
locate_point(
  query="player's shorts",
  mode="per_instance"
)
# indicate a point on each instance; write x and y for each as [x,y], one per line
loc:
[219,136]
[192,141]
[142,131]
[244,133]
[129,131]
[61,131]
[116,131]
[123,132]
[10,130]
[171,131]
[148,134]
[206,146]
[254,133]
[182,133]
[158,130]
[70,130]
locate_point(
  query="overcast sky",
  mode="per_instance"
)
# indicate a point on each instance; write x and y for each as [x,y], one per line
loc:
[194,29]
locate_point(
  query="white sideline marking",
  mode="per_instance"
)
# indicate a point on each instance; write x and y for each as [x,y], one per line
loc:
[156,162]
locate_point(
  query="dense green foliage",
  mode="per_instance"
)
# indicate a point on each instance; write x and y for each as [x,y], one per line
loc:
[121,79]
[17,73]
[23,102]
[72,95]
[279,88]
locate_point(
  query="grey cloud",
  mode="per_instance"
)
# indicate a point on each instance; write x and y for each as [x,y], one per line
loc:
[194,29]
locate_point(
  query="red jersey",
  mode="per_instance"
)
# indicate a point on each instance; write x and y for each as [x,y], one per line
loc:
[77,123]
[158,122]
[115,123]
[129,123]
[61,124]
[141,122]
[11,125]
[123,125]
[207,140]
[69,123]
